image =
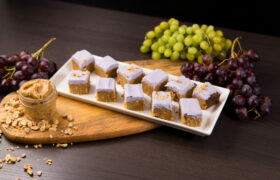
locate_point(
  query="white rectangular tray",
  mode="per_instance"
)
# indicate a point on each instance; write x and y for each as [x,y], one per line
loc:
[209,116]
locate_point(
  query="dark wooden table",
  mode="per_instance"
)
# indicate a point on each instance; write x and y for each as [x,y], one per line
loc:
[236,149]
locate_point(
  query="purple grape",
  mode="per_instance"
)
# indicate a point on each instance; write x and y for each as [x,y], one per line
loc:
[35,76]
[246,90]
[27,69]
[254,56]
[19,75]
[239,100]
[189,67]
[251,80]
[196,78]
[33,62]
[212,68]
[237,83]
[264,109]
[207,59]
[200,70]
[5,85]
[19,64]
[25,57]
[232,63]
[188,75]
[2,72]
[11,61]
[221,71]
[22,82]
[240,73]
[249,72]
[231,89]
[267,100]
[3,62]
[253,101]
[222,80]
[23,53]
[183,69]
[209,77]
[14,85]
[241,113]
[43,75]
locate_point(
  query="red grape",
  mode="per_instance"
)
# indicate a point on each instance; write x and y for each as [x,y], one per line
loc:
[212,68]
[207,59]
[246,90]
[254,56]
[27,69]
[19,64]
[239,100]
[33,61]
[267,100]
[23,53]
[256,89]
[209,77]
[241,113]
[251,80]
[231,89]
[237,83]
[14,85]
[253,101]
[19,75]
[264,109]
[5,84]
[240,73]
[232,63]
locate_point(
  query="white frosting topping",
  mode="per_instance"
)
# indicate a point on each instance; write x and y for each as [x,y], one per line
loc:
[130,72]
[181,86]
[107,63]
[155,78]
[133,92]
[204,91]
[161,99]
[83,58]
[105,84]
[78,77]
[190,107]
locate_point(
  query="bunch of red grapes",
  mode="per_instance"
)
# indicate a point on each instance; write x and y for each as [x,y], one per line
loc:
[17,69]
[238,75]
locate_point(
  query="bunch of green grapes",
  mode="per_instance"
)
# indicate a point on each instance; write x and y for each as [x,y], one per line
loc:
[174,41]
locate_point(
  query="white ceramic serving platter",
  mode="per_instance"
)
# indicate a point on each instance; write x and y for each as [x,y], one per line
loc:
[210,116]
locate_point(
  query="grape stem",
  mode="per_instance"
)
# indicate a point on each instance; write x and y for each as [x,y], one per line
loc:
[11,71]
[42,50]
[258,115]
[233,53]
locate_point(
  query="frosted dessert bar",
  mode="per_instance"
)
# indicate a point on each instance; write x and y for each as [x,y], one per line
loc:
[133,97]
[129,74]
[106,67]
[162,105]
[83,60]
[106,90]
[190,112]
[79,82]
[154,81]
[207,95]
[180,88]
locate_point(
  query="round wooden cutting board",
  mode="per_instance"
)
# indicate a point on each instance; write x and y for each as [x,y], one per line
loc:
[90,122]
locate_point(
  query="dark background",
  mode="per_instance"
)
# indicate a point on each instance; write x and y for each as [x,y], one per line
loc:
[251,16]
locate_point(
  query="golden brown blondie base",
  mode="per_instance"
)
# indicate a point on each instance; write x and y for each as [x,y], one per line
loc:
[112,73]
[89,67]
[214,99]
[137,105]
[106,96]
[148,89]
[162,113]
[122,81]
[176,96]
[191,121]
[79,88]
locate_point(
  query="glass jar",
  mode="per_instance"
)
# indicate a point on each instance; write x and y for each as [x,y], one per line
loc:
[37,109]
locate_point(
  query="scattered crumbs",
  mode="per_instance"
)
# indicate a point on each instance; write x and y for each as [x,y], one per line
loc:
[23,155]
[70,117]
[26,146]
[63,145]
[70,124]
[18,159]
[68,131]
[51,136]
[1,166]
[27,166]
[17,178]
[49,162]
[39,173]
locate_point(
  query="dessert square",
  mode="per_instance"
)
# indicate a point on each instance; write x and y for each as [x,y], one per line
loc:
[180,88]
[154,81]
[79,82]
[129,74]
[162,105]
[190,112]
[106,90]
[83,60]
[133,97]
[207,95]
[106,67]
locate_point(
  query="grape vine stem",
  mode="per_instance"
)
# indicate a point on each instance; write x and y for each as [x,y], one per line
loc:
[42,50]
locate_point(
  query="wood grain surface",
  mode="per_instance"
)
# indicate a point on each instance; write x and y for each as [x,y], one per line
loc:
[92,122]
[236,149]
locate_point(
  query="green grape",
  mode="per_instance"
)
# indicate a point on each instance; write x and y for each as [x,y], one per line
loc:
[189,30]
[160,42]
[158,35]
[209,29]
[192,50]
[188,40]
[182,30]
[183,55]
[197,38]
[219,33]
[156,55]
[217,39]
[167,45]
[161,49]
[175,55]
[170,20]
[165,38]
[173,27]
[144,49]
[222,55]
[150,34]
[167,53]
[214,53]
[209,50]
[147,43]
[190,57]
[158,30]
[204,45]
[172,41]
[163,25]
[175,22]
[175,34]
[180,37]
[211,34]
[167,32]
[199,59]
[155,46]
[227,44]
[195,26]
[199,32]
[217,47]
[204,27]
[178,46]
